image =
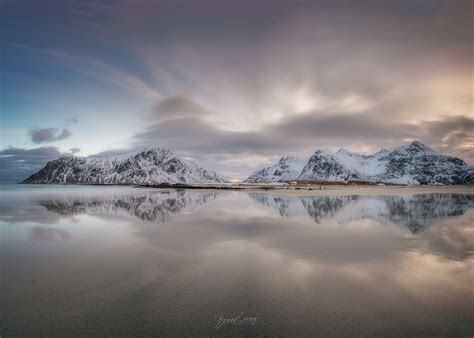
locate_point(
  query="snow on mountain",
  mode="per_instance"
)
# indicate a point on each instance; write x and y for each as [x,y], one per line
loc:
[414,163]
[365,165]
[152,165]
[287,168]
[323,166]
[419,164]
[467,175]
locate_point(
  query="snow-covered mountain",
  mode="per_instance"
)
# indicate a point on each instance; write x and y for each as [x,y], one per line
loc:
[365,165]
[323,166]
[286,169]
[414,163]
[152,165]
[419,164]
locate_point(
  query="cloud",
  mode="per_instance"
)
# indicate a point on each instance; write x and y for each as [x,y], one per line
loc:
[72,151]
[176,107]
[453,135]
[17,163]
[197,137]
[293,134]
[72,120]
[277,78]
[109,153]
[47,135]
[65,133]
[96,68]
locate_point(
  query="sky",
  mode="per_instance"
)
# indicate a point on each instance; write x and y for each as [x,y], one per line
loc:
[233,85]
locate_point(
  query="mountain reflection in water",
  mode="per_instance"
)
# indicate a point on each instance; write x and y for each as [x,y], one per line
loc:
[152,207]
[415,212]
[118,261]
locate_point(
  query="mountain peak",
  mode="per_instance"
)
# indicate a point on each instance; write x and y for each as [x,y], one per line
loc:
[321,152]
[381,152]
[287,168]
[289,158]
[417,144]
[155,148]
[414,148]
[343,151]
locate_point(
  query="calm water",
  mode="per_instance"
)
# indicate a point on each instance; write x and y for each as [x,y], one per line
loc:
[124,261]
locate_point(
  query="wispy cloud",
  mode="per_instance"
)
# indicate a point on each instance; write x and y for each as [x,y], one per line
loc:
[96,68]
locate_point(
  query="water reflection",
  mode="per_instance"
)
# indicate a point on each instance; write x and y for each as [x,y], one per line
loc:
[152,207]
[415,212]
[107,268]
[149,207]
[46,233]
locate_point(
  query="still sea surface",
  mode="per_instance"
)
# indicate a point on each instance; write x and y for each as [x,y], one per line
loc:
[121,261]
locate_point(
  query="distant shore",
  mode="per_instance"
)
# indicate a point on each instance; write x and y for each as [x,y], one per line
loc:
[304,188]
[325,188]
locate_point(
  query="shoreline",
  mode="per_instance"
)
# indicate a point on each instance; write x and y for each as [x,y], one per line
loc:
[375,190]
[318,189]
[298,189]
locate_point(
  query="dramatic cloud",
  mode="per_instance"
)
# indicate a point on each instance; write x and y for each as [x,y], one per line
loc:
[75,150]
[237,84]
[46,135]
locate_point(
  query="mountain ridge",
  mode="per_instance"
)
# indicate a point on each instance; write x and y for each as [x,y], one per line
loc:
[414,163]
[150,165]
[286,168]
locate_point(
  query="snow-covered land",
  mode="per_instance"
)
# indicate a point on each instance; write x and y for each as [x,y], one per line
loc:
[152,165]
[415,163]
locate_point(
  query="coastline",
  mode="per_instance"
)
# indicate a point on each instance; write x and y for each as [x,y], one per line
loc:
[305,189]
[318,189]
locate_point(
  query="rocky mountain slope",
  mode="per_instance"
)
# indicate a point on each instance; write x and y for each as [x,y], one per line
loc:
[415,163]
[323,166]
[152,165]
[285,169]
